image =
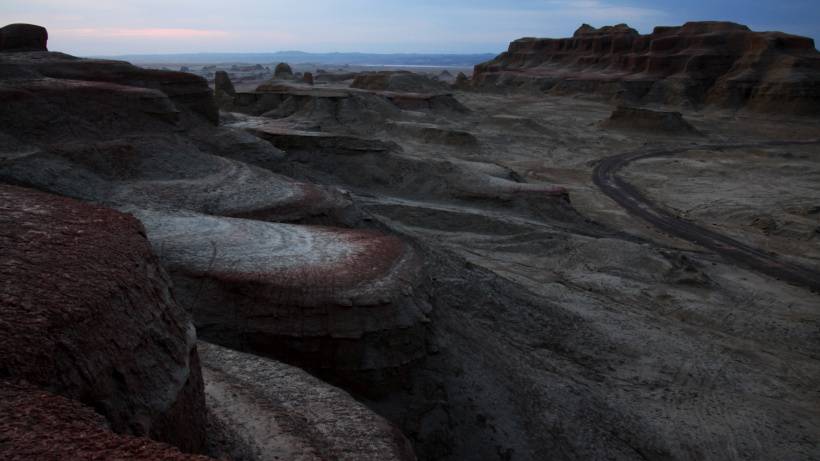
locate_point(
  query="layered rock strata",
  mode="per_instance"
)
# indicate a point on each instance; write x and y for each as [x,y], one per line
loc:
[338,110]
[272,411]
[346,301]
[167,93]
[698,64]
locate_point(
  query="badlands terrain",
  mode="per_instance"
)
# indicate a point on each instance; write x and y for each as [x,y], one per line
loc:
[598,247]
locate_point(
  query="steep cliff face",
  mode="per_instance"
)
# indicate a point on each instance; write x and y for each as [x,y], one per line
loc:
[697,64]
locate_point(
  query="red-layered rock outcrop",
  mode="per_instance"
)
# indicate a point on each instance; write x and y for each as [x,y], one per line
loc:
[86,312]
[38,425]
[343,301]
[700,63]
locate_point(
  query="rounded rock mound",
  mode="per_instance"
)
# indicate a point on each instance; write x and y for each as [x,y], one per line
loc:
[343,301]
[283,71]
[86,312]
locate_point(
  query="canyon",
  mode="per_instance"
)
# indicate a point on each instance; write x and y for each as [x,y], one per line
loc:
[599,247]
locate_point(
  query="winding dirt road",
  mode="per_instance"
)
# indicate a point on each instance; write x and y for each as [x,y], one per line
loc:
[606,178]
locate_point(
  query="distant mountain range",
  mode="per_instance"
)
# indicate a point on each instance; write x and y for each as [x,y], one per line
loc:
[300,57]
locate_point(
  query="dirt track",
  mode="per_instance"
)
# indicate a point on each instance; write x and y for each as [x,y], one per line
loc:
[606,178]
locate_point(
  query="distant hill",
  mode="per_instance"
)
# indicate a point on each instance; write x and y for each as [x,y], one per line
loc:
[299,57]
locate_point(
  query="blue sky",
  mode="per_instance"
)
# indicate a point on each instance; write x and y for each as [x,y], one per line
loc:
[92,27]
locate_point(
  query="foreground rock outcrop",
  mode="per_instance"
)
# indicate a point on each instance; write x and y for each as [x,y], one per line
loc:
[698,64]
[141,141]
[36,424]
[87,313]
[266,410]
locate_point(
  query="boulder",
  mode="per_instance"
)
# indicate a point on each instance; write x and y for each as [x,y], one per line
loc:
[23,37]
[283,71]
[86,312]
[36,424]
[698,64]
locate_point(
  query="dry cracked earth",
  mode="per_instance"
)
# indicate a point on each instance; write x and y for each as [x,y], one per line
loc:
[463,274]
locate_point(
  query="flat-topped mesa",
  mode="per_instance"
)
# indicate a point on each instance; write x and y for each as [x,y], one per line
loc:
[23,37]
[721,64]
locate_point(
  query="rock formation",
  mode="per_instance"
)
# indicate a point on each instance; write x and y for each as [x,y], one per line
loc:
[462,82]
[308,78]
[266,407]
[283,71]
[23,37]
[398,81]
[345,301]
[133,146]
[223,84]
[649,121]
[36,424]
[700,63]
[335,109]
[30,79]
[87,312]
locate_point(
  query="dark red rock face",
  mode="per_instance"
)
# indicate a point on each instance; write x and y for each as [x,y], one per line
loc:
[38,425]
[23,37]
[699,63]
[86,312]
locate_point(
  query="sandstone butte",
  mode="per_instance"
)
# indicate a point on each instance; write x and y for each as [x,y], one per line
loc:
[699,64]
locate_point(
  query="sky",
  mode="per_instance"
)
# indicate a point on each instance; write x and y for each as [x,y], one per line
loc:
[106,27]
